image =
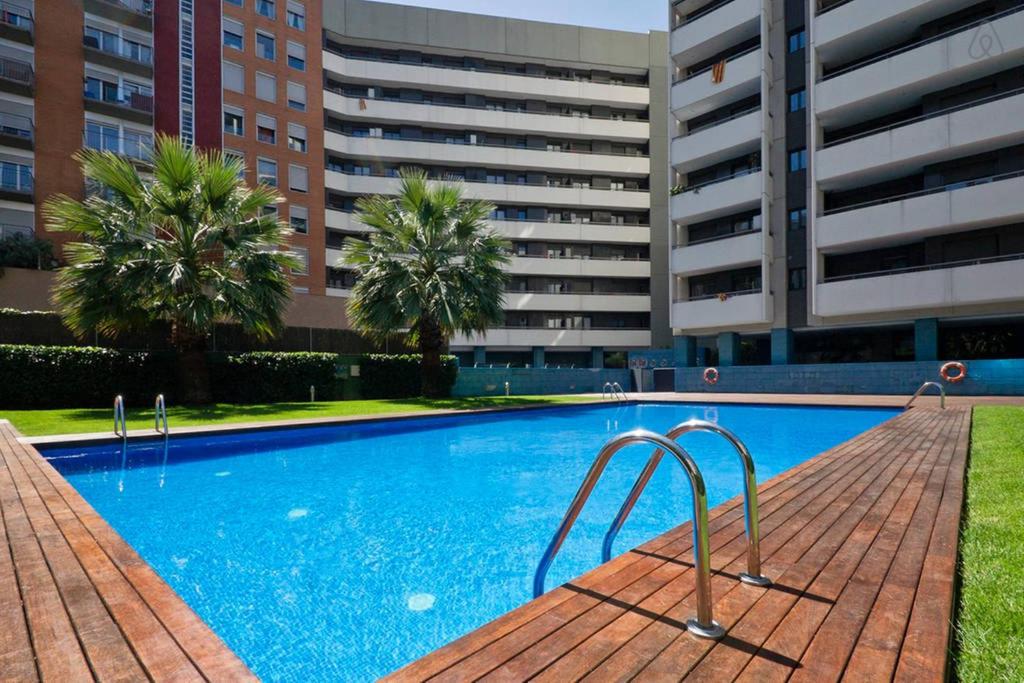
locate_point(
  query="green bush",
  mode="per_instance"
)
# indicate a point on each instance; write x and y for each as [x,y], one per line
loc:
[269,376]
[19,251]
[398,376]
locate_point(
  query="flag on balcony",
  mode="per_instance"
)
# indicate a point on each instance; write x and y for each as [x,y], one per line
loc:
[718,72]
[362,104]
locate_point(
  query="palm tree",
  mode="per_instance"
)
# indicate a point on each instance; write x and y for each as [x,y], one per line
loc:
[431,266]
[192,246]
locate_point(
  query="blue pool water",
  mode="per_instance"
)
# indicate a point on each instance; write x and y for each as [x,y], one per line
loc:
[344,552]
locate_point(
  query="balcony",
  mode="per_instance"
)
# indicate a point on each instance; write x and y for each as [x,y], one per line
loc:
[485,83]
[946,287]
[579,266]
[16,131]
[135,13]
[698,94]
[105,98]
[117,53]
[734,251]
[718,198]
[16,183]
[480,118]
[707,32]
[527,337]
[729,139]
[16,23]
[503,193]
[16,76]
[959,207]
[570,301]
[898,79]
[134,146]
[737,308]
[434,152]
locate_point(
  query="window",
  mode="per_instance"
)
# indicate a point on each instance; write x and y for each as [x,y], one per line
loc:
[299,219]
[233,33]
[265,46]
[797,160]
[234,121]
[266,172]
[297,96]
[302,254]
[797,279]
[266,129]
[236,3]
[236,156]
[233,76]
[137,144]
[103,137]
[797,219]
[296,56]
[266,87]
[265,8]
[797,40]
[296,15]
[270,210]
[297,138]
[298,178]
[798,100]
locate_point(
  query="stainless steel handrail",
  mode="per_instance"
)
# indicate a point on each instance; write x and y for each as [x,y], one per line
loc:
[704,624]
[119,420]
[160,413]
[618,391]
[753,574]
[921,390]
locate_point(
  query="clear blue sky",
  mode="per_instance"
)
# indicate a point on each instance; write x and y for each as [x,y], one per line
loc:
[625,15]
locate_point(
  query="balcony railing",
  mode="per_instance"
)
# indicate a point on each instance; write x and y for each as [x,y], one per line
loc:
[930,266]
[132,100]
[827,5]
[643,328]
[703,11]
[16,16]
[570,293]
[15,177]
[583,257]
[119,47]
[8,230]
[717,238]
[923,193]
[706,69]
[549,220]
[16,125]
[15,70]
[334,168]
[715,181]
[718,122]
[723,296]
[138,147]
[137,6]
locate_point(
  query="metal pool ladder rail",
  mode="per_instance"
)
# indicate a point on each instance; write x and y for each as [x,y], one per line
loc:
[119,421]
[704,624]
[753,575]
[613,390]
[921,390]
[160,414]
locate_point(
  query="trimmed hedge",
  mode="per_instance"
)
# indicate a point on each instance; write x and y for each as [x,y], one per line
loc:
[90,377]
[398,375]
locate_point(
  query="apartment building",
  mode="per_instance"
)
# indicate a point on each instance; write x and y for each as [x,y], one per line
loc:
[563,129]
[848,180]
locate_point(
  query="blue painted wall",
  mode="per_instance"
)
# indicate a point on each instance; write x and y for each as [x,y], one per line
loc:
[984,378]
[491,381]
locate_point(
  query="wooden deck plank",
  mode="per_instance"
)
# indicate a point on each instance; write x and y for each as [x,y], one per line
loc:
[17,659]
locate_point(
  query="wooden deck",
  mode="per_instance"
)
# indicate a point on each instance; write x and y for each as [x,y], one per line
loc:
[860,541]
[76,602]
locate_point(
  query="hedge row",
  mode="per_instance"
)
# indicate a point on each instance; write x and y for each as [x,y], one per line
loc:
[268,377]
[398,376]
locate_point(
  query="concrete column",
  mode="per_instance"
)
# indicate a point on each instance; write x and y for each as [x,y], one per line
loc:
[782,346]
[480,354]
[926,339]
[597,357]
[538,356]
[728,348]
[684,351]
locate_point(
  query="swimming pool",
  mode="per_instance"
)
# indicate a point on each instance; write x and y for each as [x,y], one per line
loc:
[344,552]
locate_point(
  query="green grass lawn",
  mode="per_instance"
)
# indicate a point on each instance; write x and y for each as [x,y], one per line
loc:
[81,420]
[990,629]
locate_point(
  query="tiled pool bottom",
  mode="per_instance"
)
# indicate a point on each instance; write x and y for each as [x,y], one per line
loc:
[341,553]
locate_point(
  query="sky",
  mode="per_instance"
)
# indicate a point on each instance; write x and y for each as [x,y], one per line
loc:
[625,15]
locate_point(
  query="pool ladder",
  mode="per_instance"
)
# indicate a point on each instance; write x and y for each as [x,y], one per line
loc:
[120,427]
[159,417]
[923,388]
[703,625]
[613,390]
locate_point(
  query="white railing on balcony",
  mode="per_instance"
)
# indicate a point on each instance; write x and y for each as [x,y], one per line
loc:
[15,15]
[15,70]
[137,146]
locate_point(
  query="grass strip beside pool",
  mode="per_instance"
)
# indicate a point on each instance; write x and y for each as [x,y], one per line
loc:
[85,420]
[990,627]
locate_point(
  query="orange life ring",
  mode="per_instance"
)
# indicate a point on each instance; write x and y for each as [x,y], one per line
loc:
[711,376]
[960,368]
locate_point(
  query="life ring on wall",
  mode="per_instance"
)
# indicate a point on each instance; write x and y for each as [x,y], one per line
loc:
[958,367]
[711,376]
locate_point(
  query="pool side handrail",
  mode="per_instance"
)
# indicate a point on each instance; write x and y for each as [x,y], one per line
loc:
[160,413]
[704,624]
[119,420]
[753,575]
[921,390]
[618,391]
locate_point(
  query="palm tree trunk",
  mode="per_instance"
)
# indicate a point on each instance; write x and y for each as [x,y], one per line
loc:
[432,343]
[193,372]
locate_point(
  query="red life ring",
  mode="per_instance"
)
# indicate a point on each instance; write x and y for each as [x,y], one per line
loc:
[711,376]
[960,368]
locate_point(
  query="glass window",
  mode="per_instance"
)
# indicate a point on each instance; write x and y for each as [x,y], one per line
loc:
[265,46]
[266,129]
[302,254]
[234,121]
[265,8]
[235,155]
[797,40]
[297,138]
[297,96]
[797,160]
[102,137]
[236,3]
[266,172]
[296,15]
[798,100]
[266,87]
[233,33]
[797,279]
[137,144]
[233,76]
[298,178]
[298,218]
[296,56]
[797,219]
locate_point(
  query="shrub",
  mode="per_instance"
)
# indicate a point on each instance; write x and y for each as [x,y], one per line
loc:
[19,251]
[398,376]
[268,376]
